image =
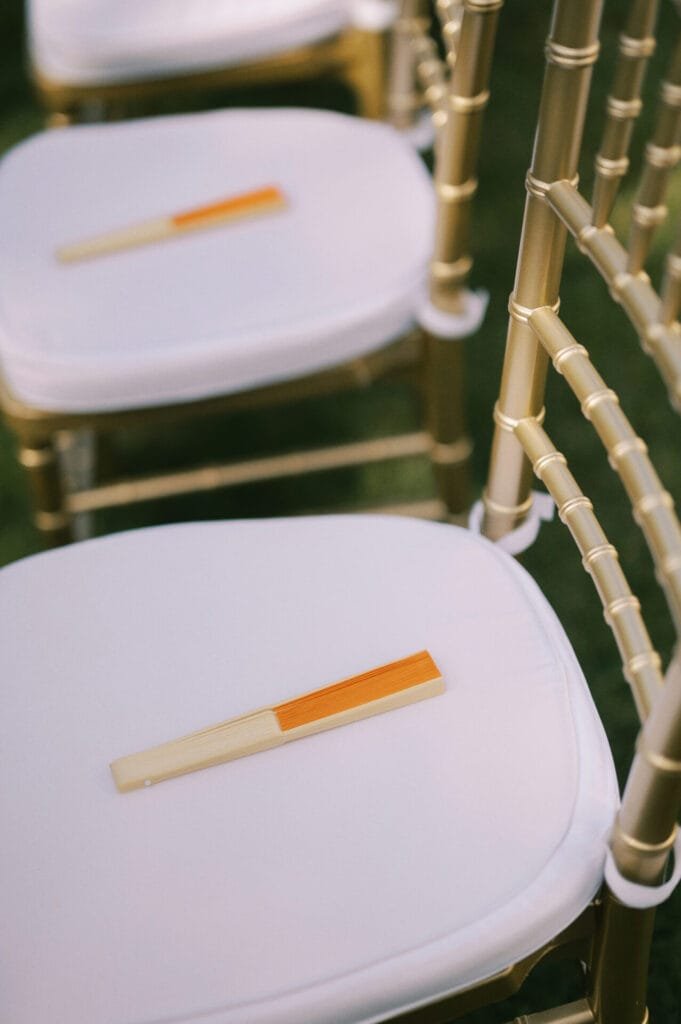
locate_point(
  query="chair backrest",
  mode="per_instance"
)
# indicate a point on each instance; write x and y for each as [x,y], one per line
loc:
[456,90]
[645,831]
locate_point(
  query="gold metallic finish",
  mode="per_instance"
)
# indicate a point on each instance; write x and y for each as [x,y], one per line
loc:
[599,551]
[596,398]
[509,509]
[630,47]
[636,45]
[670,293]
[571,57]
[450,13]
[662,154]
[509,424]
[538,188]
[450,445]
[451,454]
[578,1012]
[572,944]
[483,6]
[459,120]
[671,94]
[429,69]
[640,662]
[567,507]
[618,977]
[522,313]
[403,359]
[621,604]
[358,57]
[455,193]
[621,449]
[611,168]
[617,964]
[667,765]
[468,104]
[571,50]
[50,521]
[208,478]
[652,505]
[662,157]
[623,110]
[448,272]
[633,291]
[404,100]
[542,462]
[32,458]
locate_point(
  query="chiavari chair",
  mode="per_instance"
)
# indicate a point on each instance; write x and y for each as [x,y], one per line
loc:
[644,839]
[414,866]
[324,296]
[88,59]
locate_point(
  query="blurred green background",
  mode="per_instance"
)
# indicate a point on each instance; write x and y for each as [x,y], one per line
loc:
[587,310]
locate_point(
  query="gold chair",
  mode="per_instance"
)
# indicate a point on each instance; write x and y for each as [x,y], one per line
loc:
[323,296]
[387,870]
[87,59]
[645,830]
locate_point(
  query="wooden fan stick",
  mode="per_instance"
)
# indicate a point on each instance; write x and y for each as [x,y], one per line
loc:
[247,204]
[381,689]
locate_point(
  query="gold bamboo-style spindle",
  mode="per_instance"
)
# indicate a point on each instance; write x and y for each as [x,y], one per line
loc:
[670,293]
[646,825]
[431,74]
[456,154]
[636,45]
[652,505]
[450,14]
[571,51]
[661,156]
[403,97]
[632,290]
[640,662]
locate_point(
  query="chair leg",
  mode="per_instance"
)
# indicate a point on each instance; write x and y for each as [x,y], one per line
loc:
[40,459]
[619,973]
[366,73]
[446,419]
[59,119]
[77,462]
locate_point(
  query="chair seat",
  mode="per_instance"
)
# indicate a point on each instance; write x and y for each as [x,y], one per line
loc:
[340,878]
[99,42]
[333,276]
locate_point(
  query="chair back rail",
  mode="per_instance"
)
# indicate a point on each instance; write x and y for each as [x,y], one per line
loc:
[662,154]
[636,45]
[571,50]
[645,830]
[457,91]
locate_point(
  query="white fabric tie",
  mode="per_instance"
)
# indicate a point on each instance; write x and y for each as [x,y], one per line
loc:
[524,536]
[421,134]
[642,897]
[454,326]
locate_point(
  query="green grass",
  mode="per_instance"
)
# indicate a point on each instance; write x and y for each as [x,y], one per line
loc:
[586,309]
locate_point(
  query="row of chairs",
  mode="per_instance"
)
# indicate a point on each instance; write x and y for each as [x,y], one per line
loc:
[327,295]
[418,865]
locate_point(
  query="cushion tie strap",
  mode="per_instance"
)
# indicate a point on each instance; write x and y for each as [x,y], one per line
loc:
[524,536]
[642,897]
[454,326]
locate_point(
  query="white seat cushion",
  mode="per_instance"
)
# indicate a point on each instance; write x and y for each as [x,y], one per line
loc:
[339,878]
[333,276]
[99,42]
